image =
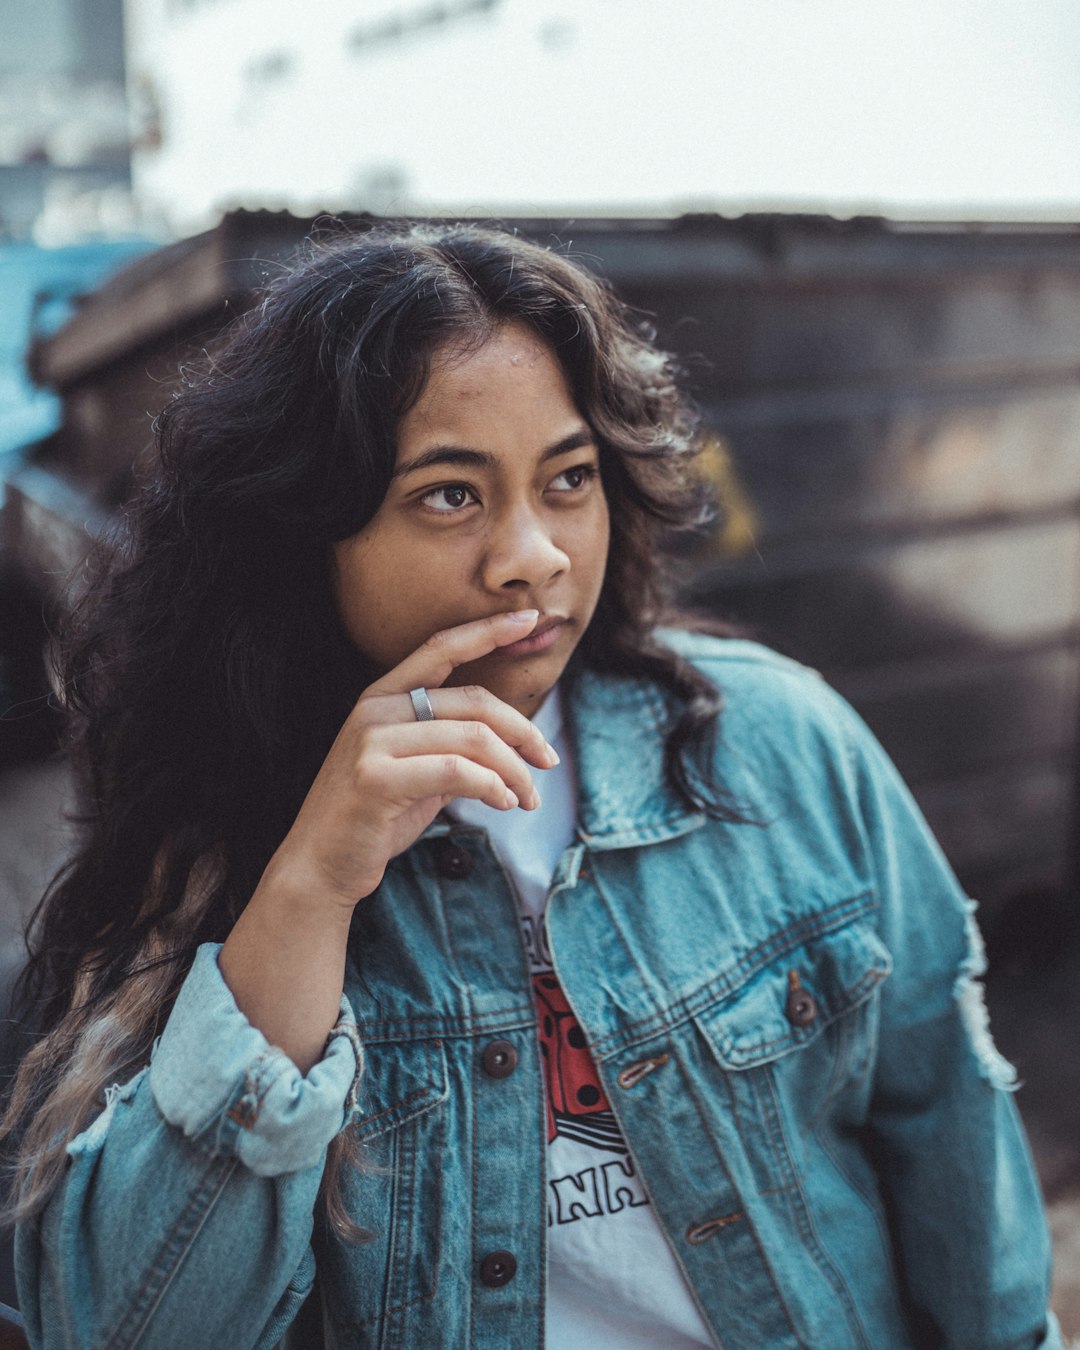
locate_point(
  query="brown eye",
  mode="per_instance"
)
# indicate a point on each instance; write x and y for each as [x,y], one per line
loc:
[573,480]
[447,499]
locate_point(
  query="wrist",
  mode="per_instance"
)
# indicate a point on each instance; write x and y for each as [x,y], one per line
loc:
[302,886]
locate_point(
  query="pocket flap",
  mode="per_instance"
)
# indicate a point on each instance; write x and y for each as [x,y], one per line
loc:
[770,1015]
[400,1080]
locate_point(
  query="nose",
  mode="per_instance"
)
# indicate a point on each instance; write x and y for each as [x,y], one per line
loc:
[522,553]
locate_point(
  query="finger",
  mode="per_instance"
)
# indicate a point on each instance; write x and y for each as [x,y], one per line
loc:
[465,703]
[471,740]
[472,702]
[423,776]
[436,659]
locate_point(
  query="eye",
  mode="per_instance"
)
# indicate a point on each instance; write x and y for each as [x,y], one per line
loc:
[573,480]
[451,497]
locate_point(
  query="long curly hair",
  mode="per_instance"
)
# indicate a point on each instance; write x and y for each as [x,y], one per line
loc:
[207,671]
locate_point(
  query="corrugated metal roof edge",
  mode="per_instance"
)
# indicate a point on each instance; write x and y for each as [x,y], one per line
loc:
[182,281]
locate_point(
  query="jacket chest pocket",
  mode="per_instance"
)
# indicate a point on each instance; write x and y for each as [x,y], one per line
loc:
[794,1046]
[395,1194]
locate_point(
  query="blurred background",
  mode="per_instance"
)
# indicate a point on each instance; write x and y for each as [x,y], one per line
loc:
[856,225]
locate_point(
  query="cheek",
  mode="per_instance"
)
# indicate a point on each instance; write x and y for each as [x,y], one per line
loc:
[391,600]
[592,545]
[363,586]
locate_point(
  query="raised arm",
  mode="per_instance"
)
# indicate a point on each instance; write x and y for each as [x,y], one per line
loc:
[187,1206]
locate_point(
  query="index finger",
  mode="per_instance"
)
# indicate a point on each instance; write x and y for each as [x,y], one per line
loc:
[436,659]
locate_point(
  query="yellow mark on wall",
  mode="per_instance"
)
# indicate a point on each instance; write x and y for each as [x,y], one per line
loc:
[736,528]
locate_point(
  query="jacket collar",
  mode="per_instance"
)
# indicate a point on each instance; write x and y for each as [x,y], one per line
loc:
[617,728]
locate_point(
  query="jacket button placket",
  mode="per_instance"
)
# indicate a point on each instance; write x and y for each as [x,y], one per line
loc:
[497,1269]
[716,1239]
[506,1147]
[499,1059]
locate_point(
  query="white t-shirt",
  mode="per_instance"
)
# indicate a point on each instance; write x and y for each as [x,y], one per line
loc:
[613,1283]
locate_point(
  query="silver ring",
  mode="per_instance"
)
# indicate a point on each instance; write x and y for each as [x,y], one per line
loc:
[421,705]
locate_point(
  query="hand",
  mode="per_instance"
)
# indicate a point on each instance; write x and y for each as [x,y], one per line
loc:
[387,775]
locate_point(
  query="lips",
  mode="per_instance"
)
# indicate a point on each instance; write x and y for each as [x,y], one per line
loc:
[546,633]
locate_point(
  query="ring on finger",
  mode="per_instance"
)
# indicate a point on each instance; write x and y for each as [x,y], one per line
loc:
[422,705]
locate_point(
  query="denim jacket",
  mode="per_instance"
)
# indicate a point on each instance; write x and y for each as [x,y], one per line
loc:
[784,1016]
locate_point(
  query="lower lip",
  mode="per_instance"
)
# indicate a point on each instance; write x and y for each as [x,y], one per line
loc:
[540,642]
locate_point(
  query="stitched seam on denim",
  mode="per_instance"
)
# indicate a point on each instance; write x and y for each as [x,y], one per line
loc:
[633,834]
[800,1211]
[445,1024]
[345,1029]
[673,1246]
[540,1099]
[742,1126]
[474,1021]
[363,1122]
[617,928]
[428,1295]
[404,1220]
[727,982]
[695,1097]
[833,1014]
[437,1253]
[514,909]
[424,881]
[733,1101]
[844,1032]
[439,1089]
[395,1227]
[869,1198]
[386,1314]
[474,1061]
[174,1248]
[646,1187]
[769,1109]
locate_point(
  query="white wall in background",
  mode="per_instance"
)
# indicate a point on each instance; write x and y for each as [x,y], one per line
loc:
[905,107]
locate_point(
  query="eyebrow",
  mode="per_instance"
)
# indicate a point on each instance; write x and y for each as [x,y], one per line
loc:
[481,459]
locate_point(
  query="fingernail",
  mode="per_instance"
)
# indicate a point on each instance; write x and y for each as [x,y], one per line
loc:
[535,802]
[520,615]
[553,754]
[511,800]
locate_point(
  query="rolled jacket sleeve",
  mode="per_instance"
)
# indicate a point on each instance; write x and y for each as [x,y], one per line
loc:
[217,1078]
[190,1199]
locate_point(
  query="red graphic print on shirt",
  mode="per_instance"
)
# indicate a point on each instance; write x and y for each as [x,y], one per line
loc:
[576,1105]
[583,1185]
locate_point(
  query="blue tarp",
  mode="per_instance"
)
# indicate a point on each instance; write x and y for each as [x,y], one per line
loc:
[37,287]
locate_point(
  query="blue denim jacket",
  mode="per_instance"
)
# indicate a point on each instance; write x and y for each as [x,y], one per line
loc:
[784,1018]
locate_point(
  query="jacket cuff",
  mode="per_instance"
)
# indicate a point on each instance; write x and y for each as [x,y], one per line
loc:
[220,1081]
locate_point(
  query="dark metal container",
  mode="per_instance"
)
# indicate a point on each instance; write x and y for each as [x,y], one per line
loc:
[893,415]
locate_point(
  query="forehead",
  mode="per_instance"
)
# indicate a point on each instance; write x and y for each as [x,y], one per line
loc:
[512,367]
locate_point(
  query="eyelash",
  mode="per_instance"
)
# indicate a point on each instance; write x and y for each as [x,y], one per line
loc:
[589,472]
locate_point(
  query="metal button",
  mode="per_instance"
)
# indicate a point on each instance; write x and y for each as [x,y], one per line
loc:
[497,1269]
[800,1007]
[453,862]
[499,1059]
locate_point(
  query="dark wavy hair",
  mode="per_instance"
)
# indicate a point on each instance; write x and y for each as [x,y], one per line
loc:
[207,671]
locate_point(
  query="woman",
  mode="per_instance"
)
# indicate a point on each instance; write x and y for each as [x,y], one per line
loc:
[390,769]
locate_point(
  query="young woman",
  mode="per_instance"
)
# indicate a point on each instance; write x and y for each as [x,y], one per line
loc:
[435,936]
